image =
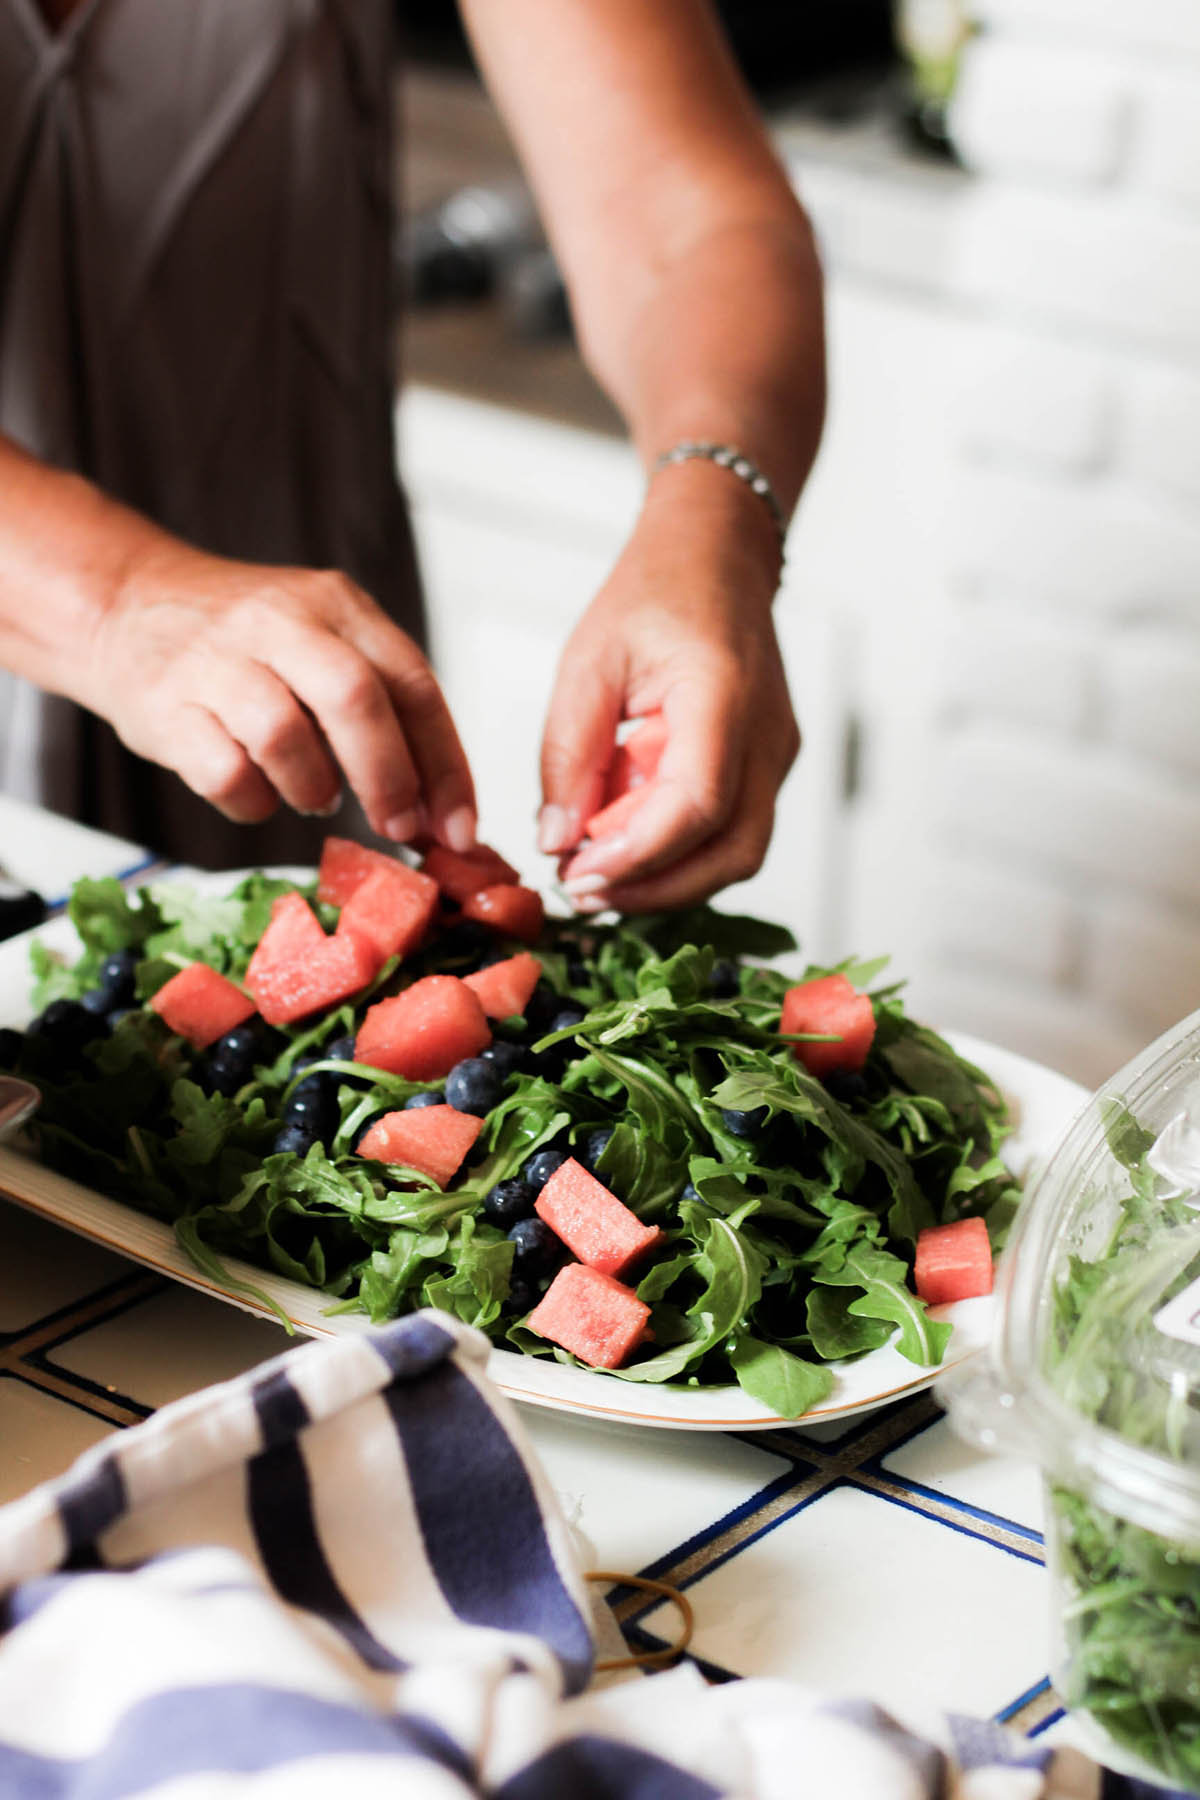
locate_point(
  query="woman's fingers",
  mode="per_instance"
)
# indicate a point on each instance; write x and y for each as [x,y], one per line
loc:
[693,795]
[213,765]
[732,855]
[577,747]
[444,782]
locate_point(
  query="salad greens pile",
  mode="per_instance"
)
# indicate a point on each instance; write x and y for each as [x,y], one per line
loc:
[1131,1611]
[783,1250]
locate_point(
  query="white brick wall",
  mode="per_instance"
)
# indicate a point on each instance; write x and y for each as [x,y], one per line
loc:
[1060,879]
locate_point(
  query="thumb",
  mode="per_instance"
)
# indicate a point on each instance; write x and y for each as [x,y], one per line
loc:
[577,747]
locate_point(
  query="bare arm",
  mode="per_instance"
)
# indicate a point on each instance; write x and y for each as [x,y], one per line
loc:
[253,683]
[696,290]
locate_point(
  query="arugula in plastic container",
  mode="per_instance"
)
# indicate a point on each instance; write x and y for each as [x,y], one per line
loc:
[784,1249]
[1130,1595]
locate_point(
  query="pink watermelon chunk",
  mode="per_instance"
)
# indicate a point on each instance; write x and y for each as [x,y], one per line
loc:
[201,1005]
[511,910]
[591,1221]
[296,969]
[831,1004]
[953,1262]
[293,933]
[597,1319]
[424,1031]
[460,876]
[433,1139]
[622,777]
[644,747]
[345,865]
[504,988]
[391,910]
[616,815]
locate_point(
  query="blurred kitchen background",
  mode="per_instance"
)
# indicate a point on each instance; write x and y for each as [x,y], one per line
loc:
[991,606]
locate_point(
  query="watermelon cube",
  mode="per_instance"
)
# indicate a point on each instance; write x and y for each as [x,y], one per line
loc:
[504,987]
[591,1221]
[953,1262]
[622,775]
[201,1005]
[293,933]
[345,865]
[616,815]
[296,969]
[597,1319]
[644,747]
[391,910]
[424,1031]
[433,1139]
[831,1004]
[460,876]
[509,909]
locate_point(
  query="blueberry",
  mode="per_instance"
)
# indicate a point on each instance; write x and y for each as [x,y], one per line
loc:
[594,1145]
[541,1166]
[296,1138]
[690,1192]
[509,1201]
[238,1050]
[342,1050]
[465,938]
[66,1025]
[578,974]
[504,1056]
[11,1043]
[218,1078]
[96,1001]
[536,1249]
[723,982]
[116,977]
[474,1086]
[540,1008]
[846,1085]
[497,953]
[744,1124]
[431,1099]
[522,1298]
[316,1111]
[566,1018]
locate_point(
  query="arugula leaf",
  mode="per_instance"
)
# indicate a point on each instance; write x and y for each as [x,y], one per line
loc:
[786,1383]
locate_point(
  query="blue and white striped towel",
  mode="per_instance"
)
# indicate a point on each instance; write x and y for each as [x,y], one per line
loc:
[346,1573]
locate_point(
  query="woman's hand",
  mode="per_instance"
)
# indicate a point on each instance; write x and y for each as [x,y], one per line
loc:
[259,685]
[683,625]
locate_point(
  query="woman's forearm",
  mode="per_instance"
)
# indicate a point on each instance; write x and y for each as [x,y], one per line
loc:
[63,547]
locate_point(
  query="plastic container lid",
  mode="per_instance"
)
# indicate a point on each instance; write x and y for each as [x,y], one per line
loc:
[1095,1367]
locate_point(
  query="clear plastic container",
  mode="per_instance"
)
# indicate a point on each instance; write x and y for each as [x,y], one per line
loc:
[1094,1371]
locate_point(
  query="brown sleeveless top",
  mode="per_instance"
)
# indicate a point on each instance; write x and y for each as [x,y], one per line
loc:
[196,313]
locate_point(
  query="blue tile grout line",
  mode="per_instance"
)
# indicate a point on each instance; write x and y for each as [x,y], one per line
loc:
[745,1510]
[10,1339]
[79,1401]
[852,1479]
[877,1467]
[1014,1706]
[1050,1719]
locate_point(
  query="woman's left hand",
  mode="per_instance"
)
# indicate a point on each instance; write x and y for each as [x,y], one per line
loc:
[683,625]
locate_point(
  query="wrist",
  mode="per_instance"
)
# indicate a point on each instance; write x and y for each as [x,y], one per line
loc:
[721,518]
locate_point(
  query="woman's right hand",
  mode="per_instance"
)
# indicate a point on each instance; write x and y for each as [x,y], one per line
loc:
[259,685]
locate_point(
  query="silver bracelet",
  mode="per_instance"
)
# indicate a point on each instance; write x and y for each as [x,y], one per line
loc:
[728,456]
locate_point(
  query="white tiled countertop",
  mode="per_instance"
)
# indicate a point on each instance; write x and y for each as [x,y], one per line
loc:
[879,1556]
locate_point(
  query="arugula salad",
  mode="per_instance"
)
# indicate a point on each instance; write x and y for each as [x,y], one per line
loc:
[789,1205]
[1131,1596]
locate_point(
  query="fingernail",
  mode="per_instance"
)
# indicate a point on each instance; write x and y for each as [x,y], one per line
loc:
[601,854]
[459,829]
[552,830]
[324,812]
[589,903]
[402,828]
[585,884]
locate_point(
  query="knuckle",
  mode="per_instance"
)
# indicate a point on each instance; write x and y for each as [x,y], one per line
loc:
[282,734]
